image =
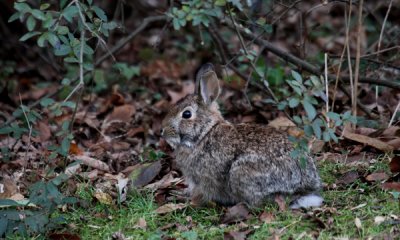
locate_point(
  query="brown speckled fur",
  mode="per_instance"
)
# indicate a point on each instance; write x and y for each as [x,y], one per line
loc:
[229,163]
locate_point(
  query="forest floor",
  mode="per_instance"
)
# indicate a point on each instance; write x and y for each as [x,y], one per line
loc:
[352,209]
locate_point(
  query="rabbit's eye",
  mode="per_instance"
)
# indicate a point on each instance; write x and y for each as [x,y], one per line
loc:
[187,114]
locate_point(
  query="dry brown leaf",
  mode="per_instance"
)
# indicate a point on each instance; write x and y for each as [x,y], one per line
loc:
[164,182]
[237,213]
[395,143]
[74,149]
[170,207]
[266,217]
[281,123]
[122,113]
[373,142]
[395,164]
[94,163]
[348,177]
[377,176]
[142,224]
[145,174]
[44,131]
[391,186]
[187,88]
[236,235]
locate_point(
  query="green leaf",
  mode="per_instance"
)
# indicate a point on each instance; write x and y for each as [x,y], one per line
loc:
[100,13]
[62,30]
[333,135]
[38,14]
[110,25]
[41,40]
[297,76]
[22,7]
[90,2]
[220,3]
[46,102]
[308,130]
[68,104]
[30,23]
[326,137]
[237,4]
[334,116]
[53,39]
[62,50]
[70,12]
[66,81]
[316,126]
[71,60]
[6,130]
[297,120]
[293,102]
[14,17]
[65,144]
[28,35]
[65,125]
[44,6]
[310,110]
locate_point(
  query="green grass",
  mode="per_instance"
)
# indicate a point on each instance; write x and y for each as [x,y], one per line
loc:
[335,219]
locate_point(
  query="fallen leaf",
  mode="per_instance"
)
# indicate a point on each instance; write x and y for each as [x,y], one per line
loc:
[63,236]
[237,213]
[266,217]
[391,186]
[395,164]
[122,113]
[44,131]
[377,176]
[164,182]
[74,149]
[170,207]
[103,198]
[142,224]
[73,169]
[94,163]
[348,177]
[357,222]
[145,174]
[236,235]
[281,123]
[373,142]
[379,219]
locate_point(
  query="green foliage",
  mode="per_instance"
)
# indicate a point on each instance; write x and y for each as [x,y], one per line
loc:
[304,97]
[33,217]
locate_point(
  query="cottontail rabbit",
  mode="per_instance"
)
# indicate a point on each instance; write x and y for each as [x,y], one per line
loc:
[231,163]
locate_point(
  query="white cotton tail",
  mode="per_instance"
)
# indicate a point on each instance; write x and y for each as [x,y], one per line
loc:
[307,201]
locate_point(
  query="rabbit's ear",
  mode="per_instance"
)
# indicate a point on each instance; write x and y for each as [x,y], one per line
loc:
[207,84]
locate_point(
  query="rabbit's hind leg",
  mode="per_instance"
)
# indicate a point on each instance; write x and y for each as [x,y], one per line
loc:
[307,201]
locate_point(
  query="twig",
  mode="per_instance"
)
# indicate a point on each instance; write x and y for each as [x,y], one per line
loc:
[326,87]
[114,50]
[309,67]
[381,51]
[82,17]
[124,41]
[81,82]
[346,43]
[383,25]
[357,67]
[29,135]
[394,114]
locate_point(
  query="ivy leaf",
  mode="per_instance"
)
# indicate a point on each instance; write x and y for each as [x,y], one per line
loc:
[310,110]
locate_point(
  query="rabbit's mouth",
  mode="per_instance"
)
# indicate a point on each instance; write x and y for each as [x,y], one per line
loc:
[173,141]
